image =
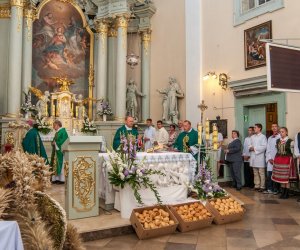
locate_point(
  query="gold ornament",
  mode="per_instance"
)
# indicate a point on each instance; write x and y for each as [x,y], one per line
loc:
[5,11]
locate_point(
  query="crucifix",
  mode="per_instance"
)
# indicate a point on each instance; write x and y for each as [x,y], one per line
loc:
[202,107]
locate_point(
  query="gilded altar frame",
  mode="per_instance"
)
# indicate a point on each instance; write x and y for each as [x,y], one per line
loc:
[91,62]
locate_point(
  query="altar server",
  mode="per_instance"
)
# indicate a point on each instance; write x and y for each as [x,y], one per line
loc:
[257,157]
[187,139]
[57,156]
[284,170]
[149,135]
[125,130]
[161,135]
[272,188]
[248,171]
[32,142]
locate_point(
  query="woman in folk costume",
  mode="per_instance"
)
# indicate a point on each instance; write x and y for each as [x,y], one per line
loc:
[284,170]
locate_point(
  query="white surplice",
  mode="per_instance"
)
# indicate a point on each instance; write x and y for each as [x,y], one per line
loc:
[257,157]
[296,147]
[247,144]
[149,133]
[271,150]
[162,136]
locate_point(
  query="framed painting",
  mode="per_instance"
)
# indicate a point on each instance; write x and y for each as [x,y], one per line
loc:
[62,47]
[254,48]
[222,124]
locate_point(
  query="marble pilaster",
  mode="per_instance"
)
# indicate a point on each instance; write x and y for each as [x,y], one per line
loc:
[111,61]
[146,46]
[15,58]
[29,15]
[101,80]
[121,24]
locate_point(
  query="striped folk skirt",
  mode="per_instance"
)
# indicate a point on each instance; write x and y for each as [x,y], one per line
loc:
[284,170]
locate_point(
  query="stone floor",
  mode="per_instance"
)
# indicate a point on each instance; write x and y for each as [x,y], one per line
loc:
[269,223]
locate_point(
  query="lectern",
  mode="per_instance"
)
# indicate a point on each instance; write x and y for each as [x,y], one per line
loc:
[80,164]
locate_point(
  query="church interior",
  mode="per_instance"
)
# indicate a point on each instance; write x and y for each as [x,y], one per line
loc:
[137,124]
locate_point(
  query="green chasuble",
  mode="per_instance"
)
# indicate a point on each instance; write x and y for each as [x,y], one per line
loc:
[186,140]
[57,155]
[32,144]
[123,131]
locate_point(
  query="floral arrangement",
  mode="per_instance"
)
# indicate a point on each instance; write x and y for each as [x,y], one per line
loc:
[203,185]
[124,169]
[104,108]
[27,105]
[88,126]
[42,125]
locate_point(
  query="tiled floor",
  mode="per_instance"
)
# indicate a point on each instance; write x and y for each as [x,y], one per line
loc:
[269,223]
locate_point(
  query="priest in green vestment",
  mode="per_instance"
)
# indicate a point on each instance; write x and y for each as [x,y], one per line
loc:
[32,142]
[187,139]
[125,130]
[57,156]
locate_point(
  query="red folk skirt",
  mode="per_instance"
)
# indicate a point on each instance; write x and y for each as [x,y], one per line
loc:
[284,170]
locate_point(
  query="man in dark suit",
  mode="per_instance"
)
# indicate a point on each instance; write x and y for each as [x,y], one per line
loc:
[234,159]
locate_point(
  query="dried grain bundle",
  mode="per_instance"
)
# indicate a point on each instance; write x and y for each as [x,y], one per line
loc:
[54,216]
[73,241]
[41,172]
[5,199]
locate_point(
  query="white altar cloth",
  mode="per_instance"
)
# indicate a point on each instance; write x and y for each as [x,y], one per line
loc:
[10,236]
[106,190]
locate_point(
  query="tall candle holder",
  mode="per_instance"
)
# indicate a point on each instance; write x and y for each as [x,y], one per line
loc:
[199,127]
[215,137]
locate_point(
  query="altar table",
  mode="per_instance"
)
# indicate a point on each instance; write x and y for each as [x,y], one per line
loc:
[106,190]
[10,236]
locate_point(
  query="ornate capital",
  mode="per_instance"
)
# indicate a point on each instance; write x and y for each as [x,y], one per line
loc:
[101,26]
[18,3]
[112,32]
[122,21]
[146,36]
[30,13]
[4,11]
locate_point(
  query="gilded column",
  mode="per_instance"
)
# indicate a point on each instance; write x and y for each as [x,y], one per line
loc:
[101,80]
[111,73]
[15,58]
[121,24]
[29,15]
[146,46]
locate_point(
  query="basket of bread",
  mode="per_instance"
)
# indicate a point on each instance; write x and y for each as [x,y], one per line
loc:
[192,216]
[153,221]
[226,210]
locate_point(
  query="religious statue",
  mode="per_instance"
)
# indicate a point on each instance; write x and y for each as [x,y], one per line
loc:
[131,99]
[80,108]
[42,104]
[170,99]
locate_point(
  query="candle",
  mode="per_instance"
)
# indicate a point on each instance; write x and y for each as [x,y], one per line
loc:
[199,133]
[215,137]
[207,130]
[74,131]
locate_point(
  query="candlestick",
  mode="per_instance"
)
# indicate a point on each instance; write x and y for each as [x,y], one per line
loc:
[207,130]
[215,137]
[199,133]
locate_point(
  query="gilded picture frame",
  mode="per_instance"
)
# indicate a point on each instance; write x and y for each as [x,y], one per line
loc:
[69,50]
[254,49]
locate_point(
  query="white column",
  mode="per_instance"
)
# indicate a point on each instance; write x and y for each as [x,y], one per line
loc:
[111,72]
[146,50]
[27,50]
[122,23]
[101,82]
[15,58]
[193,59]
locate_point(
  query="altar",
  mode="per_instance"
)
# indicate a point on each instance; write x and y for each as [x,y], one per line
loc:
[179,169]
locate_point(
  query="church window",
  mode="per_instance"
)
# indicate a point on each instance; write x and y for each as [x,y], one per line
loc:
[248,9]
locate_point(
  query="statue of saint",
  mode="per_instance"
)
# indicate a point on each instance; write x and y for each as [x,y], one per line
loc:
[131,99]
[42,104]
[170,101]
